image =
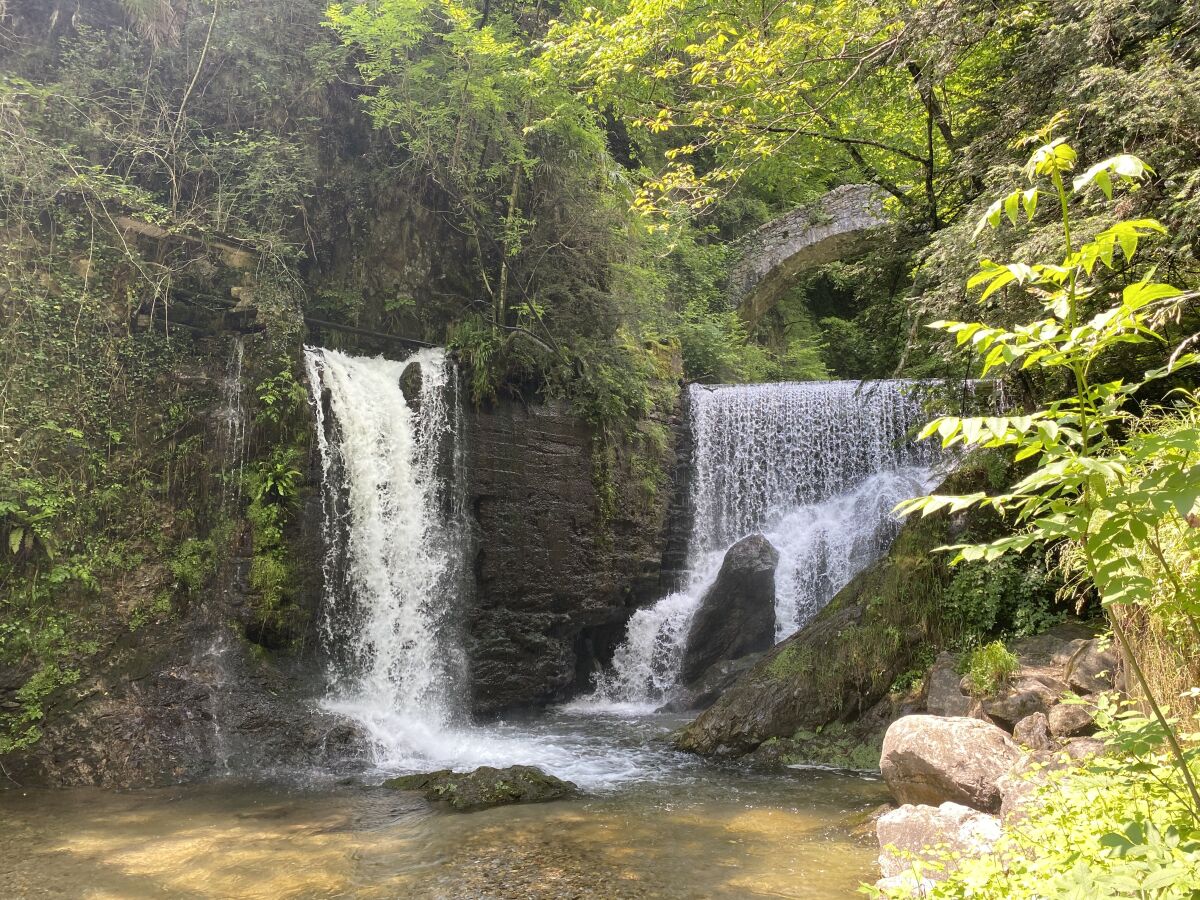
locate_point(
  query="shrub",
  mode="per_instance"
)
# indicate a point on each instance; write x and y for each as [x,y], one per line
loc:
[988,668]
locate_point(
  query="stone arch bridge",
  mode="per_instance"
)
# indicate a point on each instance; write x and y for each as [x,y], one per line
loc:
[768,259]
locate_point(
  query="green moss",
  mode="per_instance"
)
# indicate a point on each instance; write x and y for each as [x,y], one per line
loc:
[157,609]
[792,662]
[837,748]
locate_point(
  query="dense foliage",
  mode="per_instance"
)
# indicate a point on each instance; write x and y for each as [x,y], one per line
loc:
[1115,485]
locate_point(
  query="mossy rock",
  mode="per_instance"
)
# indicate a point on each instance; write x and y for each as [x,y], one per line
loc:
[485,787]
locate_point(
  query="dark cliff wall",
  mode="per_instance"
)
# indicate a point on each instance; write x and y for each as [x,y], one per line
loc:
[555,580]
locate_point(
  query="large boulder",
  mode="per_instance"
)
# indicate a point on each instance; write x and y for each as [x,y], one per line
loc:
[1075,719]
[411,382]
[704,691]
[931,759]
[1051,650]
[930,834]
[849,656]
[736,616]
[485,787]
[840,664]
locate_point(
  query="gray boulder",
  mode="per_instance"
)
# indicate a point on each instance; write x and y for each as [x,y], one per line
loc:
[1034,732]
[1019,786]
[737,614]
[929,834]
[485,787]
[1026,695]
[1069,720]
[1091,669]
[704,691]
[1081,749]
[411,382]
[944,696]
[1052,649]
[931,759]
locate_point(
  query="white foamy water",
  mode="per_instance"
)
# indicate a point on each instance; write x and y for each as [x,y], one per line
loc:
[822,546]
[817,467]
[393,549]
[395,543]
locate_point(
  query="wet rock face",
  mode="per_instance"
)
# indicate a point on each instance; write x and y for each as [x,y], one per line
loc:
[554,583]
[411,381]
[485,787]
[162,716]
[712,683]
[933,759]
[737,614]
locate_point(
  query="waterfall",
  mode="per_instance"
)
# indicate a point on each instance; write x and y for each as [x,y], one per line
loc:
[817,467]
[393,545]
[231,427]
[211,658]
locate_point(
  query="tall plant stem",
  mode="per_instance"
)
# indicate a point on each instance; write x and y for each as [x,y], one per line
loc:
[1172,740]
[1077,370]
[199,66]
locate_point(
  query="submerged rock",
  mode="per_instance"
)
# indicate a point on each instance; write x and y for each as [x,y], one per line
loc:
[737,614]
[931,759]
[485,787]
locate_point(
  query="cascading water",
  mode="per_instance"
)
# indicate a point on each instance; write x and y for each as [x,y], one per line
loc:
[231,427]
[211,659]
[393,546]
[817,467]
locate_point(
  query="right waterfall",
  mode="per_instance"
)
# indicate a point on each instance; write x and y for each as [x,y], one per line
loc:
[816,467]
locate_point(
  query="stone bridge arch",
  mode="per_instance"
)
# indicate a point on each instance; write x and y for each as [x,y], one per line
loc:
[768,259]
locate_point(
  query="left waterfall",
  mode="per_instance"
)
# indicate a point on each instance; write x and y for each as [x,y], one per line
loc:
[394,545]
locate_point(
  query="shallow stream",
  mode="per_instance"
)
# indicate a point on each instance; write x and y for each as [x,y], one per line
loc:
[651,823]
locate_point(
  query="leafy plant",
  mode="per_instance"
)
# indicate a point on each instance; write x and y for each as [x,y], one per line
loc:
[194,563]
[988,668]
[1090,487]
[276,479]
[280,395]
[1014,596]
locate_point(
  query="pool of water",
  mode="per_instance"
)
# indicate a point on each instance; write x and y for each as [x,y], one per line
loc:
[650,823]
